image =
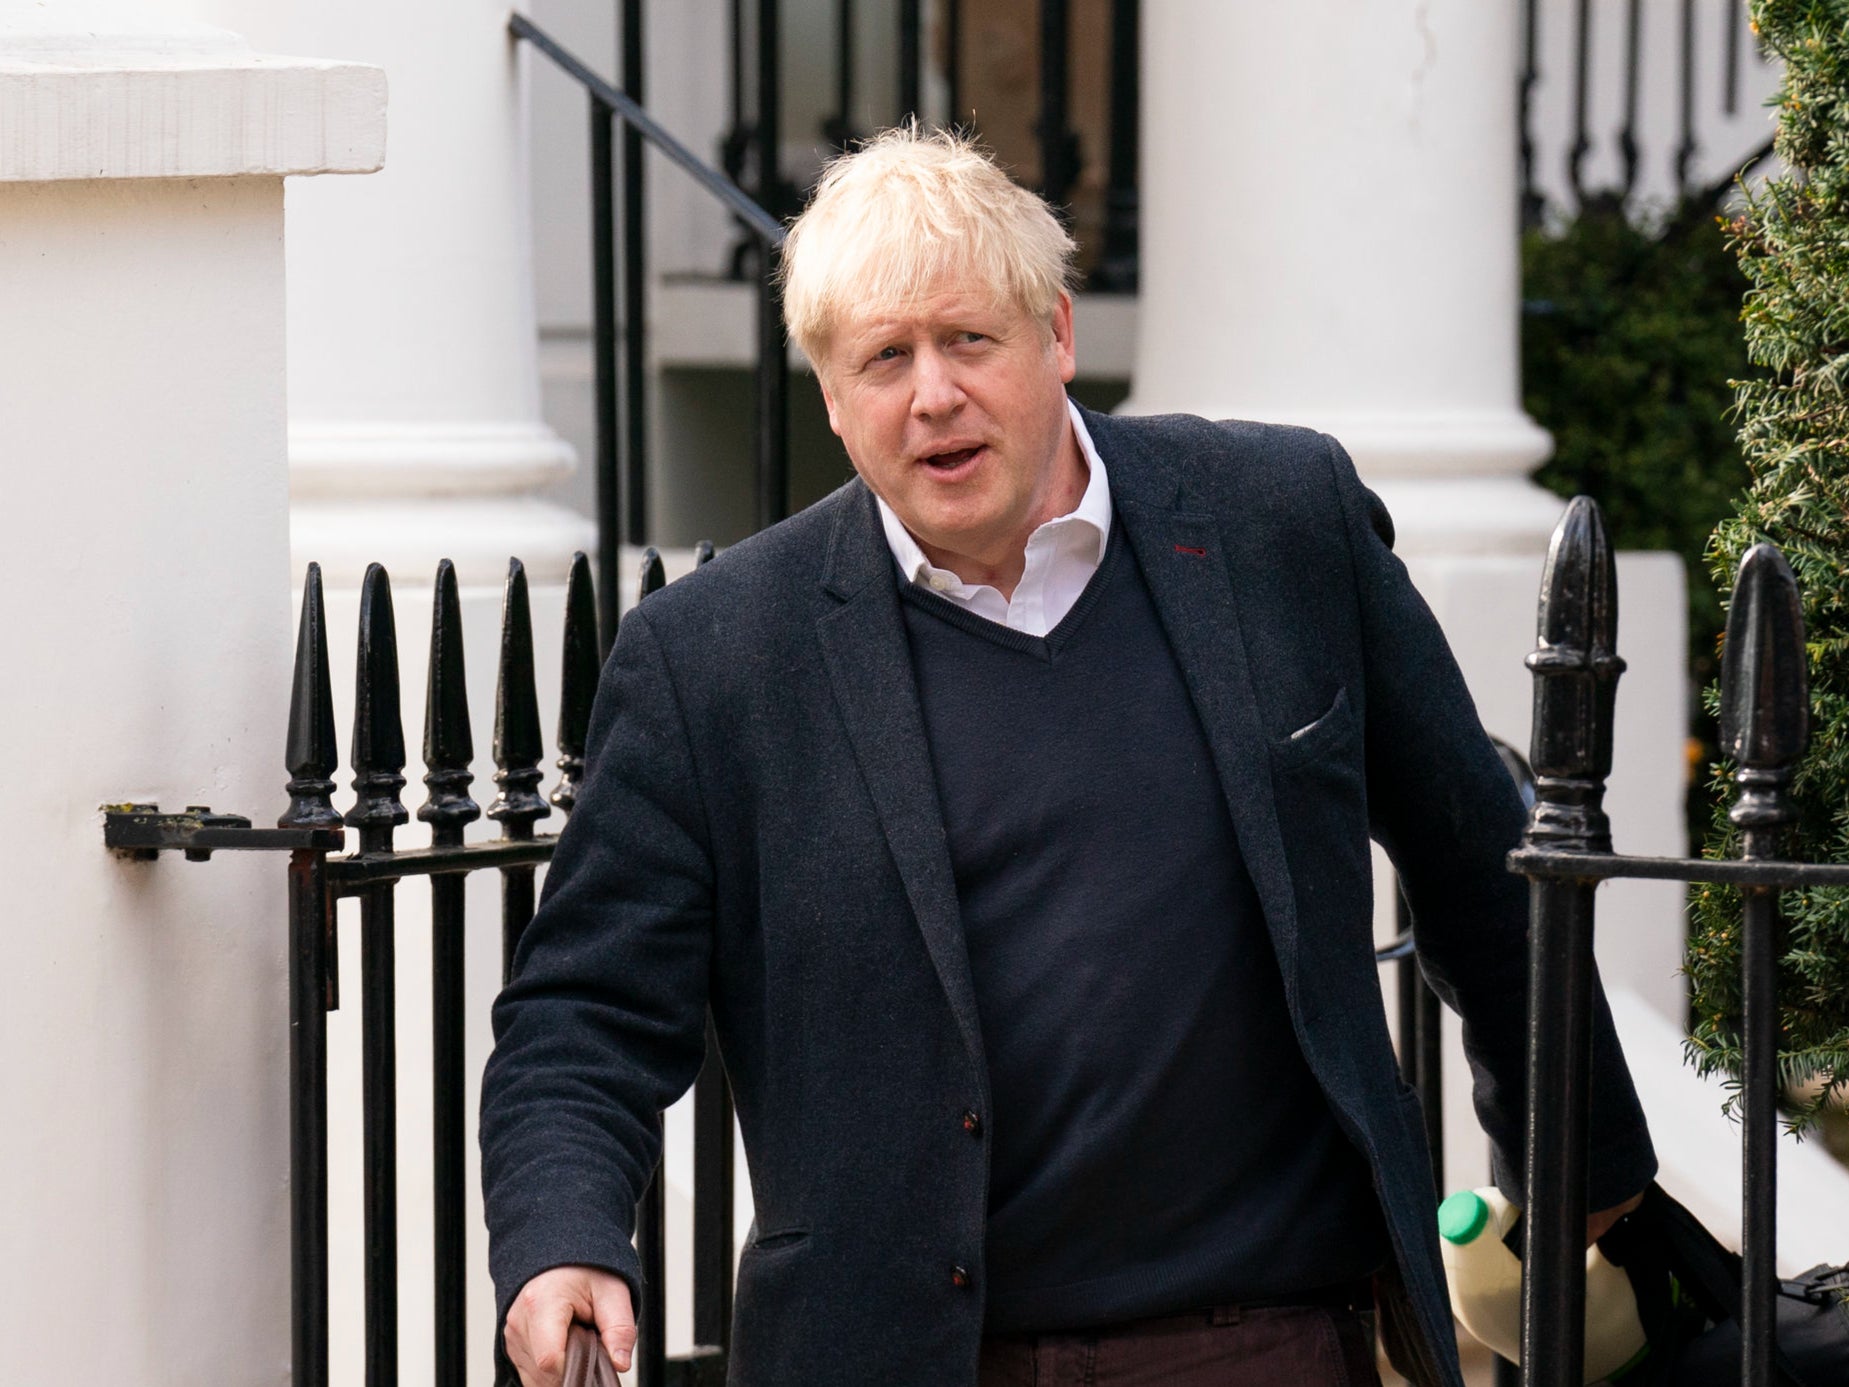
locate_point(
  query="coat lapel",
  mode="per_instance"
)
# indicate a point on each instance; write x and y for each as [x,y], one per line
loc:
[870,668]
[1186,562]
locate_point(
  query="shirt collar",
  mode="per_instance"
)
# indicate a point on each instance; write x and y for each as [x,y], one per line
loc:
[1093,511]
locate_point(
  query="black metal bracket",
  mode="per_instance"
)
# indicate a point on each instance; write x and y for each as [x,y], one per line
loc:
[141,833]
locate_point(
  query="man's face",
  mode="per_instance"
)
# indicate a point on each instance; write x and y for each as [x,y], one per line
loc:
[953,409]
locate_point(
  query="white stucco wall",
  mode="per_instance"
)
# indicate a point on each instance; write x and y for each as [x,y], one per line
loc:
[144,1003]
[143,1009]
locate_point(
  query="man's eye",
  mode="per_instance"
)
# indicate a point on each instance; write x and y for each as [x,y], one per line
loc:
[972,337]
[886,354]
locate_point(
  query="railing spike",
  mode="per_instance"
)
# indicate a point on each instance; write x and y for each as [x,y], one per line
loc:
[1765,687]
[517,744]
[449,745]
[702,553]
[378,733]
[1576,669]
[578,685]
[653,577]
[310,755]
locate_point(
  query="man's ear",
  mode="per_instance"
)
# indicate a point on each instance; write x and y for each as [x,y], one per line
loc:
[828,399]
[1065,348]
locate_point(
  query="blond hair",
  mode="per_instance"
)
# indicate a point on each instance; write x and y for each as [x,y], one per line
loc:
[891,219]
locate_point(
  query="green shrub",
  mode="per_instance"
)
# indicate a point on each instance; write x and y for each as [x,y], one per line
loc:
[1793,243]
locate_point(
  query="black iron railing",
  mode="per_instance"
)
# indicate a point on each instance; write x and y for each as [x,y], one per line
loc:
[311,829]
[1567,851]
[621,464]
[1628,141]
[750,145]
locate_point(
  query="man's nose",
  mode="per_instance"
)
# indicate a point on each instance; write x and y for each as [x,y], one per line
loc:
[936,390]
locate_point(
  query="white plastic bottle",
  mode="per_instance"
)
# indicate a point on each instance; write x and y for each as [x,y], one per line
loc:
[1486,1286]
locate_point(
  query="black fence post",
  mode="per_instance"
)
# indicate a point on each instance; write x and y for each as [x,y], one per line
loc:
[583,656]
[517,749]
[773,365]
[1765,726]
[378,776]
[1117,266]
[608,470]
[311,761]
[712,1214]
[737,144]
[1059,146]
[635,290]
[911,59]
[651,1357]
[953,62]
[1582,95]
[449,747]
[1576,671]
[1686,149]
[838,129]
[1633,76]
[1731,21]
[1422,1045]
[1533,204]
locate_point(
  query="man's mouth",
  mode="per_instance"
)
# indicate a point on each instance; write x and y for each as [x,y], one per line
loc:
[950,459]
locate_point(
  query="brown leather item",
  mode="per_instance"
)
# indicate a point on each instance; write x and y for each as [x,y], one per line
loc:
[1226,1346]
[586,1364]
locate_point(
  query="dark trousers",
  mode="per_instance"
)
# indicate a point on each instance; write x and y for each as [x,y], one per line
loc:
[1226,1346]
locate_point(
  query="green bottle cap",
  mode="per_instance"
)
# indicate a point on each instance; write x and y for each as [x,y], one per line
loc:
[1462,1216]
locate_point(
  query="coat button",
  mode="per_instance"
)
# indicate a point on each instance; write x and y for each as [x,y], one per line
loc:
[971,1122]
[959,1278]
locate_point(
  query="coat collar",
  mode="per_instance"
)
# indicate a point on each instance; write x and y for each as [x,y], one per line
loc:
[869,663]
[1141,473]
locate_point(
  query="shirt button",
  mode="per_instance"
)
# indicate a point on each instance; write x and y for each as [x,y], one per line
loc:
[971,1122]
[940,583]
[959,1278]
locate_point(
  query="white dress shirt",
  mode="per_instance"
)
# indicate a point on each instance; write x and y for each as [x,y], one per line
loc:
[1062,555]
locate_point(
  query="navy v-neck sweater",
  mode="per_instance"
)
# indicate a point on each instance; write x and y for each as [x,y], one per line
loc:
[1158,1141]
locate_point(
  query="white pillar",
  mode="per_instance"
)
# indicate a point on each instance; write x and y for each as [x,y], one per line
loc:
[414,435]
[144,1005]
[414,425]
[1330,238]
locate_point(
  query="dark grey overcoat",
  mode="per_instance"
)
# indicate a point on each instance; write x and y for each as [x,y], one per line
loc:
[759,832]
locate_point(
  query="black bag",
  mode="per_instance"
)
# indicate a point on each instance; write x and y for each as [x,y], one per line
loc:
[1688,1296]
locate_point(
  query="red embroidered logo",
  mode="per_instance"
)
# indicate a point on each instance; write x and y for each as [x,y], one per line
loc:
[1188,549]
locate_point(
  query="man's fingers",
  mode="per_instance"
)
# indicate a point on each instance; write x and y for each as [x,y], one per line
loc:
[615,1318]
[546,1329]
[540,1318]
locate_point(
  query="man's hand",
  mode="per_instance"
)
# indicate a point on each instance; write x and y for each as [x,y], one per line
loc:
[1599,1224]
[543,1311]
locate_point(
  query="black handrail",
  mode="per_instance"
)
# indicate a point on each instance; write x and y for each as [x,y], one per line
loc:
[620,464]
[762,223]
[1682,155]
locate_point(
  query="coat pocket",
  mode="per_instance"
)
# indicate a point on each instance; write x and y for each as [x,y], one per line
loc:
[776,1238]
[1318,736]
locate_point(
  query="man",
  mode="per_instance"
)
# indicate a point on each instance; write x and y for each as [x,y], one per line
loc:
[1010,808]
